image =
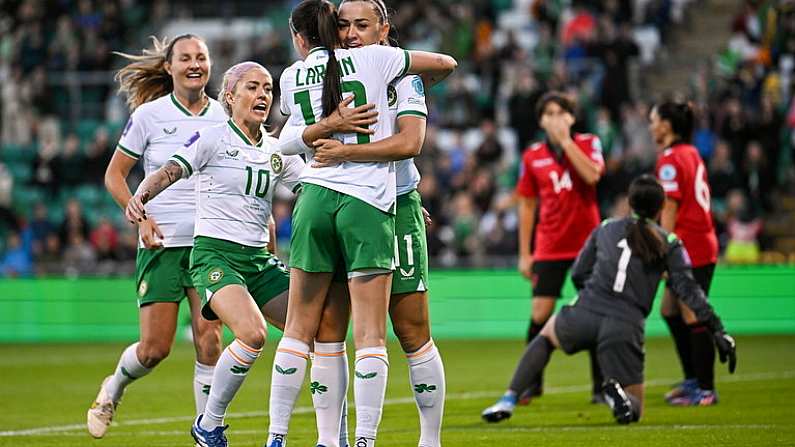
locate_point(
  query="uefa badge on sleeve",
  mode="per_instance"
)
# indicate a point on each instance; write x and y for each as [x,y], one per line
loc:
[276,163]
[143,288]
[215,275]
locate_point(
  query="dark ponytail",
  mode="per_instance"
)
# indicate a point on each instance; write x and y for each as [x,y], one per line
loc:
[316,22]
[682,117]
[646,198]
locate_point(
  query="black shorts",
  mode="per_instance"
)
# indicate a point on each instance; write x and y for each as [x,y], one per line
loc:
[549,276]
[703,276]
[618,343]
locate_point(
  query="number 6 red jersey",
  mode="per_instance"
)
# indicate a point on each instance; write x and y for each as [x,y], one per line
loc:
[684,179]
[568,211]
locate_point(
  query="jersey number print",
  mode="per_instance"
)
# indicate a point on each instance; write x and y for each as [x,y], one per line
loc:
[359,99]
[702,189]
[560,183]
[623,262]
[260,190]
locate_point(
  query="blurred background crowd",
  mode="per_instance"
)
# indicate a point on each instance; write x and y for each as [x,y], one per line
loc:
[60,116]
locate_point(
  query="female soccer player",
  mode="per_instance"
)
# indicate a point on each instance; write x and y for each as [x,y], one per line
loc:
[687,213]
[617,274]
[561,173]
[165,91]
[361,23]
[237,166]
[344,215]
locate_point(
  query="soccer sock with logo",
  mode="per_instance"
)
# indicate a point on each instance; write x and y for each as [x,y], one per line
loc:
[230,372]
[532,364]
[703,355]
[328,385]
[289,369]
[426,374]
[128,370]
[202,379]
[369,385]
[681,335]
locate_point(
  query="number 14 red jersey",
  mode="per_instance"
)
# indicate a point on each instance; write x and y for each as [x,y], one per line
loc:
[684,178]
[568,209]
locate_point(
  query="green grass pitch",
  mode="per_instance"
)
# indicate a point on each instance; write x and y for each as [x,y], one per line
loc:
[46,389]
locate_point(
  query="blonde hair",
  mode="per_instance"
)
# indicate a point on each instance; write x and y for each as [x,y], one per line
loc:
[231,78]
[145,78]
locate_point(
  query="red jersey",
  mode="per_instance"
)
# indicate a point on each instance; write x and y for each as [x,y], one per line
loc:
[568,209]
[684,179]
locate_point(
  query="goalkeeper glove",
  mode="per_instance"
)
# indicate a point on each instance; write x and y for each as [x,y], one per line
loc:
[727,349]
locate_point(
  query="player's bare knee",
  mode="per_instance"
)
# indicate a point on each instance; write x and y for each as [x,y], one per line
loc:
[369,341]
[412,335]
[152,353]
[253,334]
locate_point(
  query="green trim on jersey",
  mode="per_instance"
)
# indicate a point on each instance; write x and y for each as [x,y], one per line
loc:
[127,152]
[243,136]
[412,112]
[315,50]
[184,163]
[408,64]
[184,110]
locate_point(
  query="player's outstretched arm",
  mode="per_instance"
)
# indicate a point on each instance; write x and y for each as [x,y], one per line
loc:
[433,67]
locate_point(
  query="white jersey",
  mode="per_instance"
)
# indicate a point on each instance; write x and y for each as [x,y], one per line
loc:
[153,133]
[235,180]
[407,98]
[366,73]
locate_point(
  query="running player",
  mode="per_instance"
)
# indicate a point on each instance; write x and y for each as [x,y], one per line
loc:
[345,214]
[617,274]
[561,173]
[687,212]
[366,22]
[237,166]
[165,91]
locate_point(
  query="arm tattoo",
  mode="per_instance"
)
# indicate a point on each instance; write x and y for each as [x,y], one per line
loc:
[161,179]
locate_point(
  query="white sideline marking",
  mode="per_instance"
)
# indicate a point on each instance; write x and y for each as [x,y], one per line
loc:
[60,429]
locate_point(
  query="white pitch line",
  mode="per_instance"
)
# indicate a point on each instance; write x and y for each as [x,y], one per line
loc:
[60,429]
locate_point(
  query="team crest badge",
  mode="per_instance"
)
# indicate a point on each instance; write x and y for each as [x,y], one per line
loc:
[391,95]
[215,275]
[143,288]
[276,163]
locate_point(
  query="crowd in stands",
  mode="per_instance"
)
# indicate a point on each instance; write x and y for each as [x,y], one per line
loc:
[56,218]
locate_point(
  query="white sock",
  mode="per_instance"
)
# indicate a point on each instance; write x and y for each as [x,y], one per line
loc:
[202,379]
[369,385]
[426,374]
[329,385]
[344,418]
[230,372]
[128,370]
[289,369]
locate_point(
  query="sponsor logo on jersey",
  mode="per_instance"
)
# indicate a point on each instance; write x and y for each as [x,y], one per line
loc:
[170,131]
[419,88]
[391,95]
[192,139]
[540,163]
[143,288]
[667,172]
[232,153]
[215,275]
[276,163]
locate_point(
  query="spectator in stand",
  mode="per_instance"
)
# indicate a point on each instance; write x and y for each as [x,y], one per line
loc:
[71,163]
[74,223]
[723,176]
[78,255]
[97,157]
[756,180]
[17,260]
[41,228]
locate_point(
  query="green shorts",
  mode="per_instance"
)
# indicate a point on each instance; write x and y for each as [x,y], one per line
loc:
[216,263]
[332,229]
[411,273]
[162,274]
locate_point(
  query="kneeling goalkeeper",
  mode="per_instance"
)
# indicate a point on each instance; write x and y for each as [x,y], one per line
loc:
[617,274]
